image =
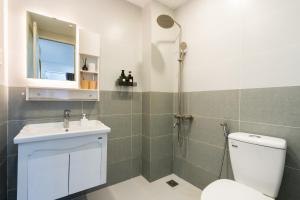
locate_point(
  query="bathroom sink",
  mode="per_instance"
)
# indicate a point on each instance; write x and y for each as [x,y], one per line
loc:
[54,162]
[52,131]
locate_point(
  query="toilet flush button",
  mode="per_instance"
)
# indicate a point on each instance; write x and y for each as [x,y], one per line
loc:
[254,136]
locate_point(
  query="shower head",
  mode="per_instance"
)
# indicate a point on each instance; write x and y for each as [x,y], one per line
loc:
[165,21]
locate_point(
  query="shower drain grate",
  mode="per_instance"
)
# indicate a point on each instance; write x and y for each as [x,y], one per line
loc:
[172,183]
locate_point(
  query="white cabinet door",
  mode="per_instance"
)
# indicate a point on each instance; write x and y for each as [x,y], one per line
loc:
[89,43]
[85,169]
[48,176]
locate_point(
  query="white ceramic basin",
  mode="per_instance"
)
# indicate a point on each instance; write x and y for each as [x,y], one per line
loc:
[52,131]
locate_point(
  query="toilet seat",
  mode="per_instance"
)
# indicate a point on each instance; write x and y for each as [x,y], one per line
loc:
[230,190]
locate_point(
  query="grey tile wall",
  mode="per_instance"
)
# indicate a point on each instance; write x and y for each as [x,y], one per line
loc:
[143,140]
[199,159]
[270,111]
[276,112]
[122,111]
[3,142]
[157,145]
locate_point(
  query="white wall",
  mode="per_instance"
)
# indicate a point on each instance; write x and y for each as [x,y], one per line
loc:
[3,42]
[164,65]
[159,50]
[241,43]
[147,62]
[232,43]
[117,21]
[270,43]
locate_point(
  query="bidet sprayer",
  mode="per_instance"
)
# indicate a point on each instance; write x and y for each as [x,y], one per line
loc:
[226,130]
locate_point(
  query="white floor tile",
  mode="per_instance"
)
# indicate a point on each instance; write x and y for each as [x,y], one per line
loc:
[139,188]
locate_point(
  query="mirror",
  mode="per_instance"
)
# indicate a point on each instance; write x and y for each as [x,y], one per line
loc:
[51,48]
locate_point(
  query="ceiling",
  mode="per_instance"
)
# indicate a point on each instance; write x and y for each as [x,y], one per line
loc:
[170,3]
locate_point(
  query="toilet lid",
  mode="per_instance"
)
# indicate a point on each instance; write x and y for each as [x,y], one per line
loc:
[231,190]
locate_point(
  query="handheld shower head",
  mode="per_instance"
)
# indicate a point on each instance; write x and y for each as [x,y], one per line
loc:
[183,46]
[182,52]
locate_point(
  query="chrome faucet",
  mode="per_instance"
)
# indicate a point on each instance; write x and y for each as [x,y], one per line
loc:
[66,118]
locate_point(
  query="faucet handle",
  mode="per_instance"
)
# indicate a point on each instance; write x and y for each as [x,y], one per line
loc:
[175,124]
[224,124]
[67,112]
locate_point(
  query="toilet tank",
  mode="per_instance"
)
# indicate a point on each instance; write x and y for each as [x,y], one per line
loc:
[258,161]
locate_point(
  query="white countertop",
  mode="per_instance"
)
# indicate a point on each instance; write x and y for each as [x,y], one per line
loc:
[52,131]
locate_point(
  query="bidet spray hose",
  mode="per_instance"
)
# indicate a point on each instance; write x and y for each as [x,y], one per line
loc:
[226,132]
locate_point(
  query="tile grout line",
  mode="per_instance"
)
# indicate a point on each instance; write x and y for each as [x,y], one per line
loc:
[187,142]
[150,135]
[270,124]
[195,165]
[120,161]
[119,138]
[293,168]
[172,139]
[6,160]
[208,144]
[157,137]
[239,102]
[209,117]
[131,148]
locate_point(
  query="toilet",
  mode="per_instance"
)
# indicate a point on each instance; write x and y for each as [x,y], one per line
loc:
[257,163]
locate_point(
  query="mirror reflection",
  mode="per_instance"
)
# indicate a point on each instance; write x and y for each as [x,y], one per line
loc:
[51,48]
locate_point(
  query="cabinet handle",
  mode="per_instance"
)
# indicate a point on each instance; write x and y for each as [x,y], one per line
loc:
[99,138]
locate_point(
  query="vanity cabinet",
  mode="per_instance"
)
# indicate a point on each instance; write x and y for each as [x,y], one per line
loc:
[48,176]
[84,168]
[53,169]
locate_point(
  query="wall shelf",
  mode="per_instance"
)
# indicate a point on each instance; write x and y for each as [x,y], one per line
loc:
[61,94]
[126,84]
[89,54]
[88,72]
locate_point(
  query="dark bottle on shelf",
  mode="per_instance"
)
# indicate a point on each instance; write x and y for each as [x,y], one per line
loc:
[122,78]
[130,79]
[85,68]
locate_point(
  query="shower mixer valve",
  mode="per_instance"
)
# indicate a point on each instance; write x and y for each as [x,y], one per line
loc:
[183,117]
[179,118]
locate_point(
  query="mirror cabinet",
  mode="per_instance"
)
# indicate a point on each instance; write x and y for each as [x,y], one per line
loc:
[63,60]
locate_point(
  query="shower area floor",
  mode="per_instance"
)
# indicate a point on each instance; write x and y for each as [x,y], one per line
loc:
[139,188]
